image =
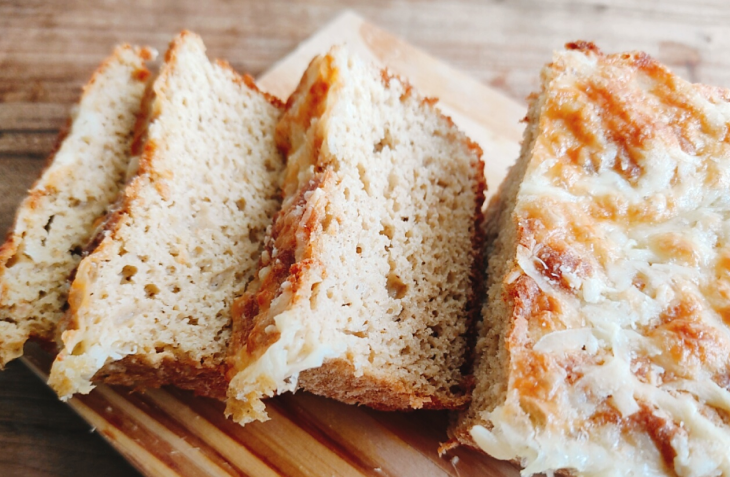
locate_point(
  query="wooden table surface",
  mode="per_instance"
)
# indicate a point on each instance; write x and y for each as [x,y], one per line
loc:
[49,49]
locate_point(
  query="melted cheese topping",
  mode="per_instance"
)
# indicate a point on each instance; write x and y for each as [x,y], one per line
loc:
[619,359]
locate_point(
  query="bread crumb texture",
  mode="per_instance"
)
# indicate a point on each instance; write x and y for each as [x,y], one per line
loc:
[364,291]
[150,305]
[604,349]
[59,216]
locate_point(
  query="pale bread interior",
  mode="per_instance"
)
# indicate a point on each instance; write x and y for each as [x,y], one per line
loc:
[387,193]
[189,234]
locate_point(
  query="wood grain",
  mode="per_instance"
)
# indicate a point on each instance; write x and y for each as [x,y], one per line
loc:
[170,433]
[48,50]
[41,437]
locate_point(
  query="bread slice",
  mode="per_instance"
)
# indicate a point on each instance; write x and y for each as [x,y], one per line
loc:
[606,338]
[57,219]
[151,304]
[364,291]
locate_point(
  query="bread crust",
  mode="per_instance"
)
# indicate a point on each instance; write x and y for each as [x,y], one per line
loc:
[138,372]
[248,332]
[249,81]
[337,379]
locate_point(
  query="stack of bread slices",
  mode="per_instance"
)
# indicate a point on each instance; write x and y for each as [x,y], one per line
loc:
[192,230]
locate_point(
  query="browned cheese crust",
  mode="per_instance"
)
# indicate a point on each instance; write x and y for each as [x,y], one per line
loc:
[606,336]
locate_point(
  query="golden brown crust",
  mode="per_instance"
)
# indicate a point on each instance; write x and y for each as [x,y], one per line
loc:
[249,337]
[387,76]
[250,83]
[144,117]
[136,371]
[584,46]
[338,379]
[313,106]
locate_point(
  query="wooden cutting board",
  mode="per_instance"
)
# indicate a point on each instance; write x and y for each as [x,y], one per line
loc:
[168,432]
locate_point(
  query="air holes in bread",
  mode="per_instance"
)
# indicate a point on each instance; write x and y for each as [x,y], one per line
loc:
[386,141]
[128,272]
[151,290]
[396,288]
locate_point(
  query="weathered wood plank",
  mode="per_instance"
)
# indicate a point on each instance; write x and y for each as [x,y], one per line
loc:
[17,175]
[27,143]
[32,116]
[499,43]
[41,436]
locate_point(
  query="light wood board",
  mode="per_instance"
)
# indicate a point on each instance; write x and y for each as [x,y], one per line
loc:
[168,432]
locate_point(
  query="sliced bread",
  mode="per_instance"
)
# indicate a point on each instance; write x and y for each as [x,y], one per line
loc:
[150,305]
[59,216]
[605,348]
[365,290]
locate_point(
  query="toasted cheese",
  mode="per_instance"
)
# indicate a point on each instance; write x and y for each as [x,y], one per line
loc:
[609,298]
